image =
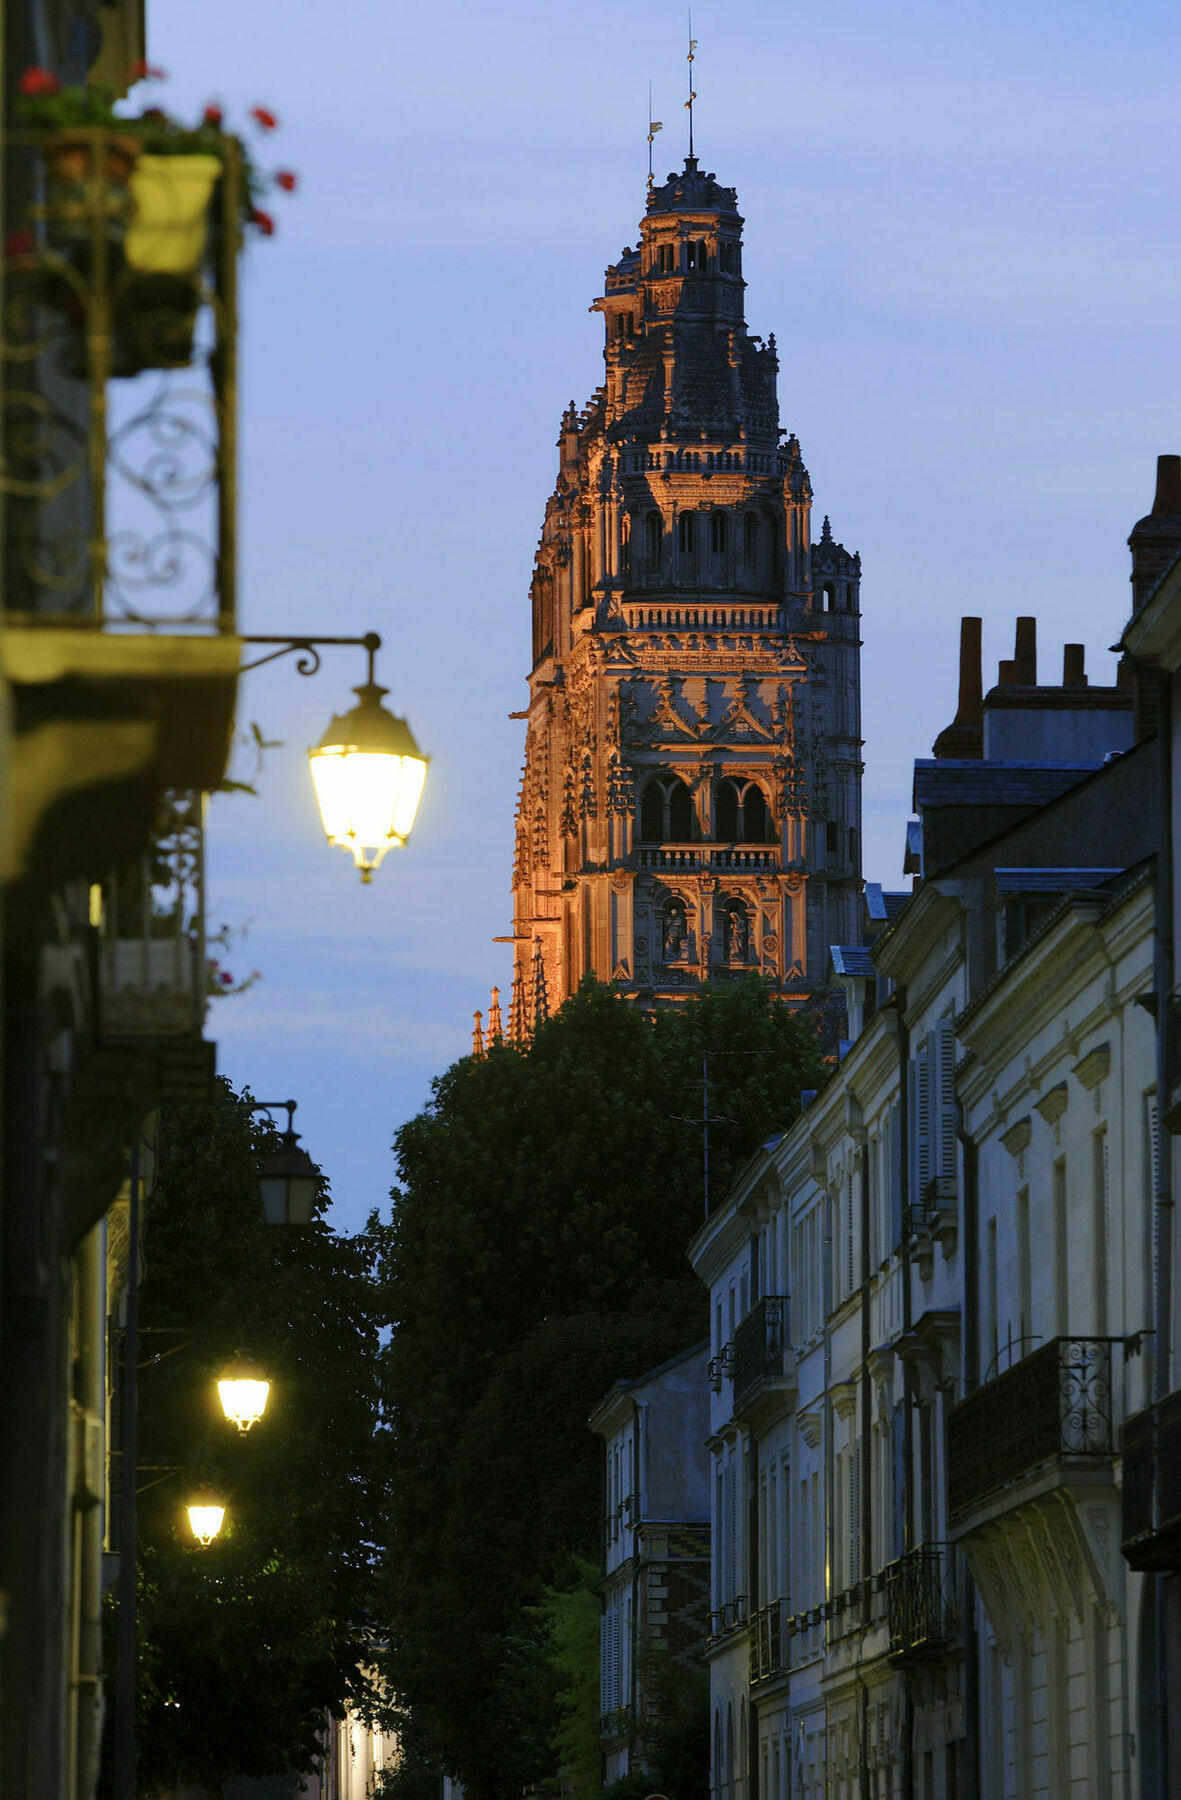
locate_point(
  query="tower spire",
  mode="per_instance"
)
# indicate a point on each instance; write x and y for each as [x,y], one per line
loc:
[692,95]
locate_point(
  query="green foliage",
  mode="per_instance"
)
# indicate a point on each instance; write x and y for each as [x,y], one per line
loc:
[676,1725]
[536,1255]
[571,1619]
[247,1643]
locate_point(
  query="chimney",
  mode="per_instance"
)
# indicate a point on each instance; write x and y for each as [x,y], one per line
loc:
[1025,653]
[1006,674]
[964,737]
[1074,658]
[1156,539]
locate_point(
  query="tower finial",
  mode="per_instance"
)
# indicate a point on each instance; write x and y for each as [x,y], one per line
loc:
[692,95]
[654,125]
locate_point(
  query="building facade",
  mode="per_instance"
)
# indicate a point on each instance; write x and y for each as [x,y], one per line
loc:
[690,802]
[936,1301]
[655,1560]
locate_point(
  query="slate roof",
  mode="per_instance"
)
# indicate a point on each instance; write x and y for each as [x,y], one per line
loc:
[1051,881]
[851,959]
[951,782]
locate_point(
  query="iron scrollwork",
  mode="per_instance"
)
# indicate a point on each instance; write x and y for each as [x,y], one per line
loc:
[118,399]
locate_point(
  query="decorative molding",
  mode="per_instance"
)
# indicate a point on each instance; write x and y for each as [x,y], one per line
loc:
[811,1426]
[1018,1136]
[1094,1066]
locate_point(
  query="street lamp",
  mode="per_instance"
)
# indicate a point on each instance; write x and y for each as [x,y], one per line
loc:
[288,1180]
[206,1512]
[367,769]
[243,1390]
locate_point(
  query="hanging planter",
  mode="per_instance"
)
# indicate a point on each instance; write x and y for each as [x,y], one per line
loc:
[151,180]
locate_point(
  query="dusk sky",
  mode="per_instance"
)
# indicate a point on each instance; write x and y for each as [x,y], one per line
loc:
[961,225]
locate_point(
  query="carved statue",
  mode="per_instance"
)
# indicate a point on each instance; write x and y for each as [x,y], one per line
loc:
[737,935]
[674,931]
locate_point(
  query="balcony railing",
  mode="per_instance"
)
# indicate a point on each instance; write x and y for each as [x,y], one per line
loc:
[918,1611]
[769,1641]
[720,1366]
[1056,1404]
[707,856]
[1151,1500]
[760,1343]
[663,617]
[117,362]
[732,1615]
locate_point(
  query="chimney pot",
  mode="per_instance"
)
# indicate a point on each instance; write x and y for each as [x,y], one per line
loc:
[1074,657]
[1025,652]
[1006,674]
[1168,485]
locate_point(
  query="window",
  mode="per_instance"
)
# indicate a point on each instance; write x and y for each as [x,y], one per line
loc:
[687,533]
[654,539]
[666,811]
[697,255]
[830,837]
[718,533]
[750,543]
[741,814]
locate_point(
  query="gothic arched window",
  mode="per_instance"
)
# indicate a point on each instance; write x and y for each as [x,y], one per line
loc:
[750,543]
[666,811]
[654,539]
[741,814]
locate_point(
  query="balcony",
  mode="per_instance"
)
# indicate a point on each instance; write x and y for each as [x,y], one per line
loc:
[720,1366]
[1050,1415]
[707,856]
[761,1355]
[919,1615]
[1150,1527]
[704,617]
[731,1616]
[770,1652]
[117,478]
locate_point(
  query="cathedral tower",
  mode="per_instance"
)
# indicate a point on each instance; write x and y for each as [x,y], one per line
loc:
[690,806]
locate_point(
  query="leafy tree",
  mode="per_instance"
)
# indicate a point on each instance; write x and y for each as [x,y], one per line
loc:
[536,1255]
[246,1644]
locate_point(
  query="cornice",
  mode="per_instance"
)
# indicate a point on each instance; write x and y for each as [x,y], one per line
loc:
[903,948]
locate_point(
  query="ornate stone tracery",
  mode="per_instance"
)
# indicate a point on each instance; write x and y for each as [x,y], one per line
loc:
[685,632]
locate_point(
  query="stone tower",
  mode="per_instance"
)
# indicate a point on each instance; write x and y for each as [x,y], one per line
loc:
[690,805]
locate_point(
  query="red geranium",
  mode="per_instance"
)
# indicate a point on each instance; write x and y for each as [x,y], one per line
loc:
[286,179]
[35,82]
[264,118]
[145,71]
[262,222]
[212,115]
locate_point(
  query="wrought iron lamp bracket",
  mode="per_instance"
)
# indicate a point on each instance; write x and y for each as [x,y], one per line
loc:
[307,652]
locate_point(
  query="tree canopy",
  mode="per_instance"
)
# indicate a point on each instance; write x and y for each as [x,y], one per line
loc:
[536,1255]
[246,1644]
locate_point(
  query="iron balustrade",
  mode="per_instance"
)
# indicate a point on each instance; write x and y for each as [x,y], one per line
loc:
[1055,1404]
[118,422]
[1150,1528]
[731,1616]
[704,617]
[759,1344]
[919,1616]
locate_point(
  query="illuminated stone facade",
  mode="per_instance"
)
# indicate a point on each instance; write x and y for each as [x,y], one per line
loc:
[690,803]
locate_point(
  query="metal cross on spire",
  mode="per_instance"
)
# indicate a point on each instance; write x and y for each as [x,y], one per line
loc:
[654,125]
[692,95]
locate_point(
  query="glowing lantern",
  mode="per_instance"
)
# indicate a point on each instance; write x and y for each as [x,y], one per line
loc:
[368,774]
[206,1513]
[242,1389]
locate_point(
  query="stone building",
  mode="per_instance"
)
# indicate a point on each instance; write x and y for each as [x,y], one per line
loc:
[690,805]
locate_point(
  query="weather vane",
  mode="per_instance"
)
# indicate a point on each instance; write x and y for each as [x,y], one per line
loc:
[692,95]
[654,125]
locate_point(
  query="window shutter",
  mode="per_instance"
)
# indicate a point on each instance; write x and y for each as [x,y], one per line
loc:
[855,1513]
[919,1108]
[895,1175]
[941,1050]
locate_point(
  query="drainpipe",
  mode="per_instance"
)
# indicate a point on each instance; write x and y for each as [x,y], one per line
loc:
[752,1591]
[970,1363]
[633,1693]
[866,1558]
[1163,1322]
[827,1425]
[903,1037]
